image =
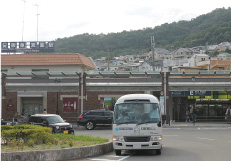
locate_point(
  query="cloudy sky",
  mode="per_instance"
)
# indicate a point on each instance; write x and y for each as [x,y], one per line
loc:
[65,18]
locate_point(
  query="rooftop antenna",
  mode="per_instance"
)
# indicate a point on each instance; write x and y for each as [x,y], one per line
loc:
[153,51]
[23,18]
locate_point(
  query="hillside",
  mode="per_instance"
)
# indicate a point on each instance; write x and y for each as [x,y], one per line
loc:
[211,28]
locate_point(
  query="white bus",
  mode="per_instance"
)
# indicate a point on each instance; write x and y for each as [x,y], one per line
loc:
[137,123]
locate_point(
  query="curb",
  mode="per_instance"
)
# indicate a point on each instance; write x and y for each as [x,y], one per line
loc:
[58,154]
[196,126]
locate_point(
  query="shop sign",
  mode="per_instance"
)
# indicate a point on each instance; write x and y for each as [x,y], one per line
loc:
[70,104]
[10,107]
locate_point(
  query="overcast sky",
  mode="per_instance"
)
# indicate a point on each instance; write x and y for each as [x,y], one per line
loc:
[65,18]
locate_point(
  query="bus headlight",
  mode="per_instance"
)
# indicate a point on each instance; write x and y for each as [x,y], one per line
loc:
[155,138]
[118,138]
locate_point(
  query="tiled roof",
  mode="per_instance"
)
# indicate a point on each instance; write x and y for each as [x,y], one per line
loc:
[46,59]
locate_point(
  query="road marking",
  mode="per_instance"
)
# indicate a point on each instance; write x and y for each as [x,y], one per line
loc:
[172,128]
[124,158]
[99,159]
[205,138]
[169,135]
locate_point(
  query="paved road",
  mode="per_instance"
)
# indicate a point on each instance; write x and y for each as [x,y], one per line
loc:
[180,144]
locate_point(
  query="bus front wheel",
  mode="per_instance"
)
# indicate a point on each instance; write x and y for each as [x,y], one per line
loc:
[118,152]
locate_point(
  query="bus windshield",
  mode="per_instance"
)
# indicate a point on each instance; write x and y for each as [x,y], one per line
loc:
[137,113]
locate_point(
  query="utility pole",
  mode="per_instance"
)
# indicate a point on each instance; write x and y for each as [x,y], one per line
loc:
[23,19]
[108,60]
[153,51]
[37,19]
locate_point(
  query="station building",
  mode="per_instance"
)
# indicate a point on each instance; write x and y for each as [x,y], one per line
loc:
[66,84]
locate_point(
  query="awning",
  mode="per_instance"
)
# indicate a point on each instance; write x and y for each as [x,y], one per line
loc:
[30,95]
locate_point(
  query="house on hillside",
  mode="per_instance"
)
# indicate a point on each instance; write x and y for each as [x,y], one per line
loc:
[160,53]
[224,56]
[220,65]
[182,53]
[199,60]
[108,66]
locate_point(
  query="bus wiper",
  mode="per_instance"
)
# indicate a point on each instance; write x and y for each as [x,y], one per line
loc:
[124,123]
[144,123]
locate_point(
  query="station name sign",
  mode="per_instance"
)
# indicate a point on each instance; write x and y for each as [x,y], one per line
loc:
[28,47]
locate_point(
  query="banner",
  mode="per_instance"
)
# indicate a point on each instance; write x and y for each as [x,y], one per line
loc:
[70,104]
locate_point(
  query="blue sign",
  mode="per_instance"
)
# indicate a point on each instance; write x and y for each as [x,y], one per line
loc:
[178,93]
[190,93]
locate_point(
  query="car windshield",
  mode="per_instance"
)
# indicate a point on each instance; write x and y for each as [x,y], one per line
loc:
[137,113]
[55,119]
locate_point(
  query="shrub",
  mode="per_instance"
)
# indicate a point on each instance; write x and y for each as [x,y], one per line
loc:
[70,143]
[30,143]
[26,132]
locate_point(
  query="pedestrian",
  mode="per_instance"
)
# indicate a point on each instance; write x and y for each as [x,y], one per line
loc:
[228,115]
[187,115]
[123,117]
[44,111]
[191,113]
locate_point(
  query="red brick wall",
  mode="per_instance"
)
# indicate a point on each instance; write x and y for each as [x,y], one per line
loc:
[92,102]
[9,106]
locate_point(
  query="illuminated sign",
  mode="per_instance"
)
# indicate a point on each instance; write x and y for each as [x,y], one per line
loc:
[28,47]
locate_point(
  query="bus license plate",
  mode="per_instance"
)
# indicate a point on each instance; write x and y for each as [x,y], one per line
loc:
[136,146]
[65,132]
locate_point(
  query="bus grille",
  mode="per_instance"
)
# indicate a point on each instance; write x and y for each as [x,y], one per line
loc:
[137,139]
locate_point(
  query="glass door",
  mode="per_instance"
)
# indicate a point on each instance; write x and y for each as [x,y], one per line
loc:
[31,109]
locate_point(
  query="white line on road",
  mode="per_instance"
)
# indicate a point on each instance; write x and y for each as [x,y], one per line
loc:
[172,128]
[109,159]
[169,135]
[205,138]
[102,159]
[124,158]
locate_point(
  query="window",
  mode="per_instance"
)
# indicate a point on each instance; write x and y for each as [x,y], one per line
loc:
[221,68]
[108,113]
[55,119]
[202,59]
[96,113]
[137,113]
[33,119]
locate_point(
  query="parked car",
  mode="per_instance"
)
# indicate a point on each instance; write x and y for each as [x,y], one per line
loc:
[93,118]
[14,122]
[3,122]
[52,120]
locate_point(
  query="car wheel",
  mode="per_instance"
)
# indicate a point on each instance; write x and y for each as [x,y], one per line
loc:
[118,152]
[90,125]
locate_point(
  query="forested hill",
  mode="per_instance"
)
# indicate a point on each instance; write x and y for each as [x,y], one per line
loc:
[211,28]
